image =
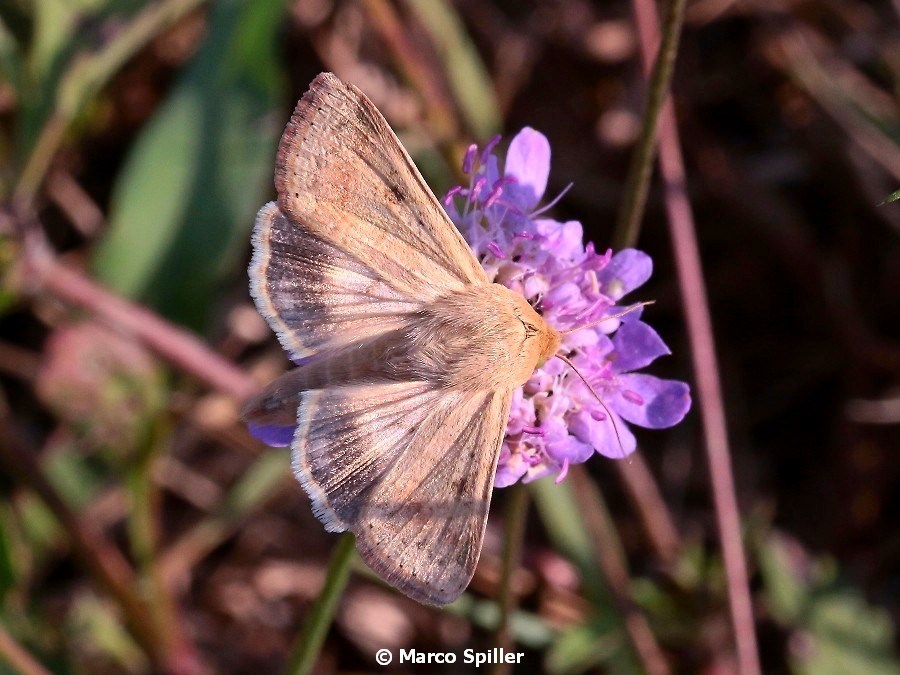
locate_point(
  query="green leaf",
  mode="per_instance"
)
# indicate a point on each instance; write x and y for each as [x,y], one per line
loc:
[50,44]
[73,476]
[94,625]
[834,630]
[54,25]
[469,78]
[559,512]
[184,203]
[526,628]
[10,57]
[779,564]
[53,45]
[259,481]
[894,196]
[845,635]
[39,526]
[584,647]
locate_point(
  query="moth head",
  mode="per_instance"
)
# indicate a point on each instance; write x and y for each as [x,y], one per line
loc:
[541,339]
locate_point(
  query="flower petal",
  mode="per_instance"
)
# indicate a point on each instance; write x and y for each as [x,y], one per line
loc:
[601,434]
[628,269]
[564,298]
[636,345]
[650,402]
[539,381]
[563,240]
[511,467]
[580,339]
[528,160]
[537,471]
[491,175]
[521,413]
[276,436]
[569,448]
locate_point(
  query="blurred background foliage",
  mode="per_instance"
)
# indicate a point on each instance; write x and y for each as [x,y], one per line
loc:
[142,529]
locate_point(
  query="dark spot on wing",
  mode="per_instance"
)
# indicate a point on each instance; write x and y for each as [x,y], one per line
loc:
[398,193]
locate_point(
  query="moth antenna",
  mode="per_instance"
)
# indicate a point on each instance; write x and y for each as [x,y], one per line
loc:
[625,311]
[565,359]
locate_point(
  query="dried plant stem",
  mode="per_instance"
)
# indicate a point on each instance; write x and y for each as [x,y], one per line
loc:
[415,66]
[611,558]
[798,53]
[17,657]
[709,395]
[177,345]
[309,643]
[651,508]
[513,536]
[637,185]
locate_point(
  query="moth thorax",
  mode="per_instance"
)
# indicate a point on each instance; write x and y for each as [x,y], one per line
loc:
[485,338]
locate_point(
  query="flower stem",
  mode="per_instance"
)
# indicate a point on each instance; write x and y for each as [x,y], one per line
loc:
[309,643]
[628,225]
[514,535]
[699,326]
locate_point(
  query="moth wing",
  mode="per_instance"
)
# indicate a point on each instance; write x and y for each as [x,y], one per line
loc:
[343,176]
[314,295]
[409,469]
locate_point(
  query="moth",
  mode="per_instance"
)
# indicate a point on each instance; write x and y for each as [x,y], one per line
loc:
[409,354]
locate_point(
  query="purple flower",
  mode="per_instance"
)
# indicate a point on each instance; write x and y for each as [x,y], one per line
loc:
[556,419]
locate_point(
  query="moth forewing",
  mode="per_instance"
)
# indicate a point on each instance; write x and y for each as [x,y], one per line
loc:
[401,411]
[342,172]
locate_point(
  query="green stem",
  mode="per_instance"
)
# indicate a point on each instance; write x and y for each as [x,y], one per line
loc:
[628,225]
[143,532]
[514,535]
[309,644]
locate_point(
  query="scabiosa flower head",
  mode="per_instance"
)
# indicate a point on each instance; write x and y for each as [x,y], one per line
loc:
[556,419]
